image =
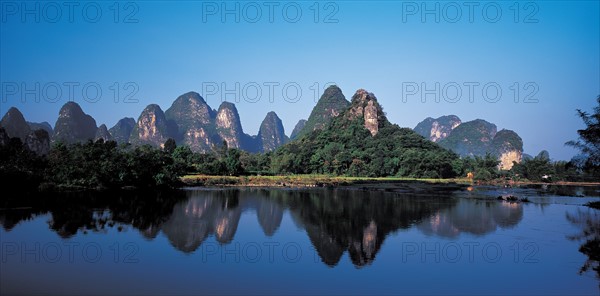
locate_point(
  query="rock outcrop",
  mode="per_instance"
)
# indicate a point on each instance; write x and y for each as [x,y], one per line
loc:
[73,125]
[151,128]
[229,126]
[364,104]
[508,146]
[271,134]
[41,125]
[122,130]
[439,128]
[15,125]
[103,133]
[195,122]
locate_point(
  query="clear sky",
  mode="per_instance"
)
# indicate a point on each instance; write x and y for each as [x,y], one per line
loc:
[544,58]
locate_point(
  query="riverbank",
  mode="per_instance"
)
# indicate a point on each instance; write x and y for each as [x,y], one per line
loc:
[303,181]
[333,181]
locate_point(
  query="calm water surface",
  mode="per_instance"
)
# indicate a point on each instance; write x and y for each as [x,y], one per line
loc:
[404,240]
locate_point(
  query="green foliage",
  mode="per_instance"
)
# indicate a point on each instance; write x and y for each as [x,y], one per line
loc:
[346,148]
[256,163]
[105,165]
[505,140]
[331,102]
[232,162]
[208,164]
[20,167]
[470,138]
[483,168]
[534,169]
[589,140]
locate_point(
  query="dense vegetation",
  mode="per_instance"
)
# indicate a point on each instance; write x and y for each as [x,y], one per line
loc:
[534,169]
[107,165]
[479,133]
[347,148]
[91,165]
[331,102]
[343,147]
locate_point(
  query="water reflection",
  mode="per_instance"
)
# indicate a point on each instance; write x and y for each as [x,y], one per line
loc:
[476,217]
[358,221]
[335,220]
[589,222]
[193,220]
[564,190]
[93,211]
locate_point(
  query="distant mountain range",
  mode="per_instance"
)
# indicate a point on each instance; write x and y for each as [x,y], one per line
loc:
[192,122]
[473,138]
[189,120]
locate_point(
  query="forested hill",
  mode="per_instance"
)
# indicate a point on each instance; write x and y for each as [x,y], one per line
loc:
[362,142]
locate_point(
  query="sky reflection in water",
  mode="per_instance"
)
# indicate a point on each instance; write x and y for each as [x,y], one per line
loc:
[278,241]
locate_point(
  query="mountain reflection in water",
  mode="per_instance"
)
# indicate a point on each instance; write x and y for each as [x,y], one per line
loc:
[335,220]
[477,217]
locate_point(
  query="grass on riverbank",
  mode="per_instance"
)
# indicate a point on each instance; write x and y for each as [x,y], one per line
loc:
[327,180]
[301,180]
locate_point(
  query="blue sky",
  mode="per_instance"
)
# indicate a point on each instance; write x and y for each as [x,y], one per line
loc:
[156,51]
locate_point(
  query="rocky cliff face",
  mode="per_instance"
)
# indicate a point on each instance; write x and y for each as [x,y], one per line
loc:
[364,104]
[508,146]
[38,141]
[122,130]
[102,133]
[508,158]
[4,138]
[203,129]
[331,104]
[439,128]
[470,138]
[229,126]
[15,125]
[271,134]
[195,122]
[151,128]
[73,125]
[41,125]
[298,128]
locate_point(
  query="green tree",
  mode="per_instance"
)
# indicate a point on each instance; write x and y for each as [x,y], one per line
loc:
[19,167]
[483,168]
[233,164]
[183,159]
[533,169]
[589,138]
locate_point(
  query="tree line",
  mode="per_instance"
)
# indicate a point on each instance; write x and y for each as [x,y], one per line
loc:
[339,149]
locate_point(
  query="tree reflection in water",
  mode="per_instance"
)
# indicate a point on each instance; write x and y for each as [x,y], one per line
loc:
[335,220]
[93,211]
[589,222]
